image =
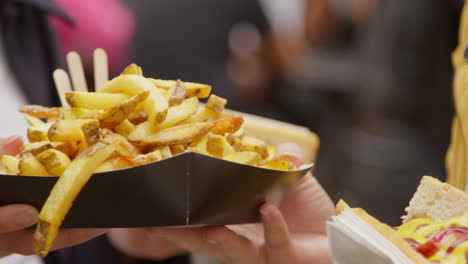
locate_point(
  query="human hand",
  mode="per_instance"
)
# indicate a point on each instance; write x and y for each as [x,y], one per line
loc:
[14,238]
[295,233]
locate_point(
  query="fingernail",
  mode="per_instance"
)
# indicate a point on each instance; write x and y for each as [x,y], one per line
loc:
[27,217]
[265,211]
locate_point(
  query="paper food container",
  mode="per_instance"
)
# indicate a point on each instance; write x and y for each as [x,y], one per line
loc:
[354,241]
[187,189]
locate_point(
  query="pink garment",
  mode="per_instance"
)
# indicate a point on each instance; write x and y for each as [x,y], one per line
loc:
[106,24]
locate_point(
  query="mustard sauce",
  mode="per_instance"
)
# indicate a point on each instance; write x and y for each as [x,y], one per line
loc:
[445,243]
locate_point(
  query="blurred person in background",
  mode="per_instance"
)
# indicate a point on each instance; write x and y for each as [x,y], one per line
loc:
[376,85]
[375,82]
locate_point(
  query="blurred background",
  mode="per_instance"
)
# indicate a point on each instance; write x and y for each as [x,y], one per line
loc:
[371,77]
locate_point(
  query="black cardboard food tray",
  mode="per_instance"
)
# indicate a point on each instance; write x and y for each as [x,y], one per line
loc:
[187,189]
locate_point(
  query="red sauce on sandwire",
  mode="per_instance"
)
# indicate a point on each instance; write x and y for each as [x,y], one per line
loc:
[412,243]
[429,248]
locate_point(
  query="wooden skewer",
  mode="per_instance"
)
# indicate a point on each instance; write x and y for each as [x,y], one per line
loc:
[101,71]
[75,67]
[62,84]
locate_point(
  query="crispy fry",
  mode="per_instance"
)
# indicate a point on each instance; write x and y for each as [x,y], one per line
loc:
[115,163]
[40,111]
[90,132]
[216,104]
[248,157]
[38,133]
[35,148]
[11,164]
[120,112]
[240,133]
[218,146]
[95,100]
[166,152]
[74,130]
[125,128]
[33,121]
[138,117]
[256,145]
[227,125]
[177,93]
[141,131]
[155,105]
[175,135]
[148,158]
[179,113]
[29,165]
[124,148]
[200,143]
[202,115]
[66,190]
[277,165]
[237,144]
[192,89]
[133,69]
[79,113]
[54,161]
[177,149]
[70,148]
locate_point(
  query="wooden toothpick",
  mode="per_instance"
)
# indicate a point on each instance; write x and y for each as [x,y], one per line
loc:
[62,84]
[101,71]
[75,67]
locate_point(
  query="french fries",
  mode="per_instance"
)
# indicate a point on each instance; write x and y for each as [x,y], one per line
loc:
[67,189]
[38,133]
[11,164]
[133,69]
[249,158]
[94,100]
[115,163]
[119,112]
[131,121]
[31,166]
[177,93]
[227,125]
[192,89]
[183,134]
[180,112]
[156,105]
[216,104]
[54,161]
[218,146]
[40,111]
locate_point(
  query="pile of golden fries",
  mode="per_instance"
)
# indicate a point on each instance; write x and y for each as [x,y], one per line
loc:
[131,121]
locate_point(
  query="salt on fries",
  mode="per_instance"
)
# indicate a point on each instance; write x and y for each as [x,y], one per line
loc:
[130,121]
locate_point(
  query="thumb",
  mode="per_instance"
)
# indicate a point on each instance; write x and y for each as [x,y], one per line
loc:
[17,216]
[279,247]
[10,145]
